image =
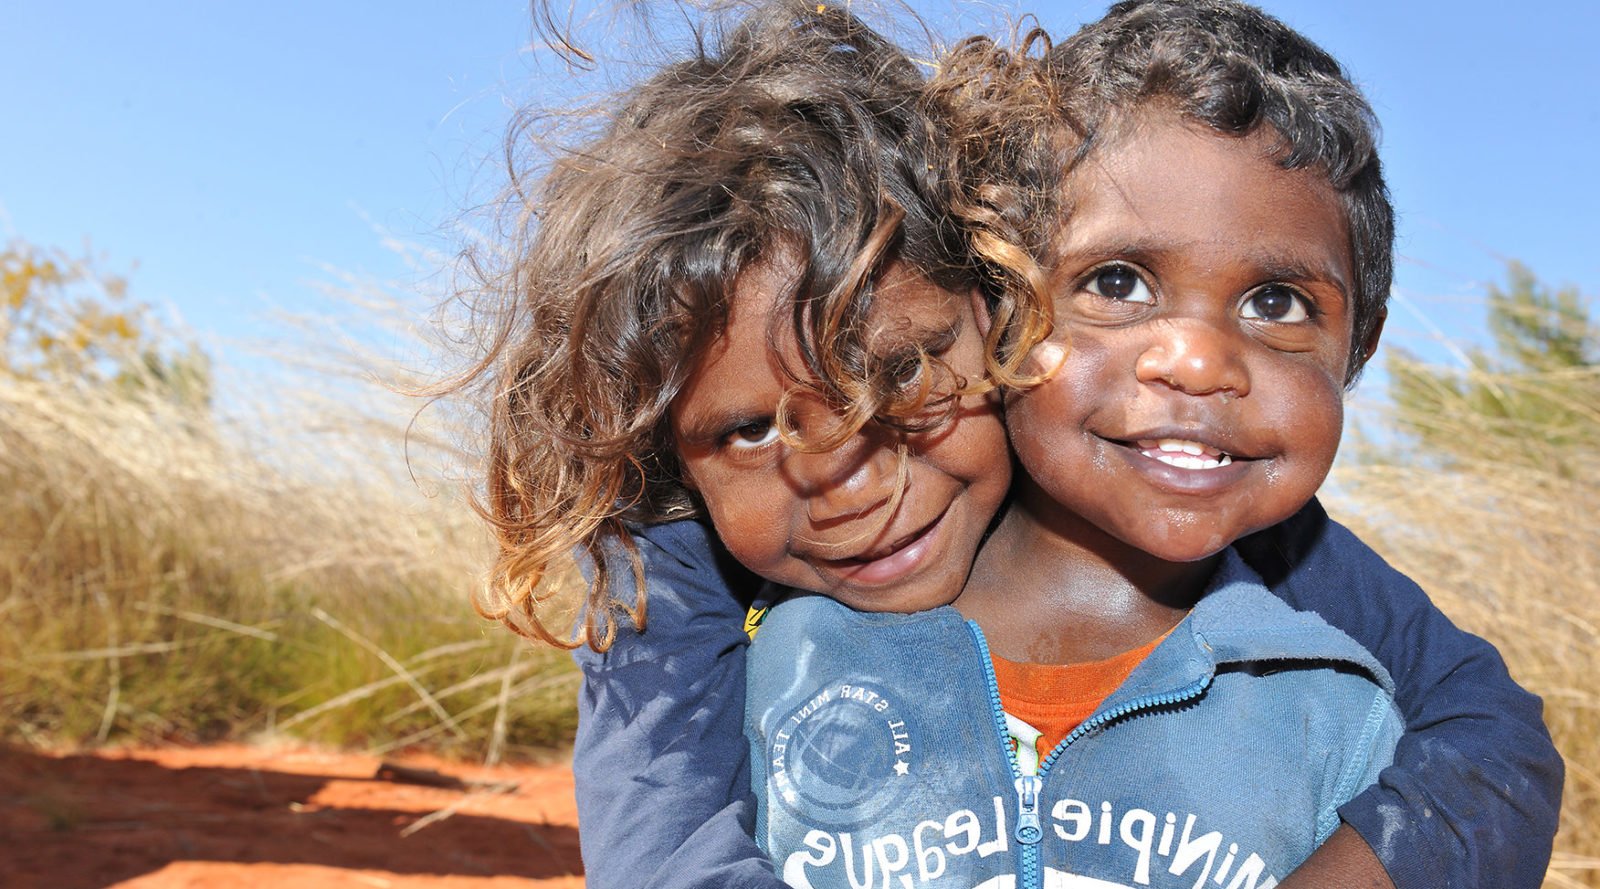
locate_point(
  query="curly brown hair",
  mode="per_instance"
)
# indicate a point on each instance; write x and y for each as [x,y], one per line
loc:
[797,129]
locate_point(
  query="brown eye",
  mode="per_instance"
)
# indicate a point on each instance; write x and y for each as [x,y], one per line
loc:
[906,373]
[753,435]
[1275,303]
[1119,282]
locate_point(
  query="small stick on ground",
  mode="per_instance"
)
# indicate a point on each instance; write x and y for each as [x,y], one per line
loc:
[399,774]
[483,789]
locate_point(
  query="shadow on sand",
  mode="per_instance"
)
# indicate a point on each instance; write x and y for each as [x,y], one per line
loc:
[83,821]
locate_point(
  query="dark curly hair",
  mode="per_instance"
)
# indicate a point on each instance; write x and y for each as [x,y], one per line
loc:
[796,129]
[1027,115]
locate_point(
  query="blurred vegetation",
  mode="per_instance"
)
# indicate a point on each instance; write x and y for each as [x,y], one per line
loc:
[65,321]
[176,570]
[1539,381]
[1487,497]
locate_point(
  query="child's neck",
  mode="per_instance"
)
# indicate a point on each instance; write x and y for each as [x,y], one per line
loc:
[1049,587]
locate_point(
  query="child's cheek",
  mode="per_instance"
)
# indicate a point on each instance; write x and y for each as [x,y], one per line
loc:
[1045,421]
[1047,358]
[1312,400]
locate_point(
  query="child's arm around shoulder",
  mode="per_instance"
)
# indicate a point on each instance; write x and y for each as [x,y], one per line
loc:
[1475,789]
[661,762]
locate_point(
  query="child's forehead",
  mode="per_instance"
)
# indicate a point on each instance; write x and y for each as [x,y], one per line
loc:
[1173,134]
[892,300]
[1160,179]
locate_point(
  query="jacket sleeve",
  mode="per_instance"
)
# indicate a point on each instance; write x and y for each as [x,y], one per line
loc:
[1475,788]
[661,762]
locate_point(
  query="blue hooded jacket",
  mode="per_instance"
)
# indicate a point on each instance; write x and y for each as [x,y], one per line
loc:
[880,754]
[662,764]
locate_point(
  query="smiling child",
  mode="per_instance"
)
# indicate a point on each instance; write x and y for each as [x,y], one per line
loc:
[886,520]
[1207,296]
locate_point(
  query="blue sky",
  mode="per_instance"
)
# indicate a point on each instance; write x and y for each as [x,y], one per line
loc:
[225,154]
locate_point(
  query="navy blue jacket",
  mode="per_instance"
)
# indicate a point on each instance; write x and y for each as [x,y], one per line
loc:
[661,760]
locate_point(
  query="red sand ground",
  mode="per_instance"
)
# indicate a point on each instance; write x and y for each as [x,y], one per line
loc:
[243,816]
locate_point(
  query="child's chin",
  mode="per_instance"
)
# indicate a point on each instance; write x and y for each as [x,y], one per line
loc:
[1186,551]
[896,602]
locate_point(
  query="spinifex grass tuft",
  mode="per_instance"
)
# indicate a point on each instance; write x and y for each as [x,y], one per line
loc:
[170,573]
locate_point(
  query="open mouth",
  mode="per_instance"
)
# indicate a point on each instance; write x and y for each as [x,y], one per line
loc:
[1183,454]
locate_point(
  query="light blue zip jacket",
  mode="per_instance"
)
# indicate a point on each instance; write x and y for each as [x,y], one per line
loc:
[879,756]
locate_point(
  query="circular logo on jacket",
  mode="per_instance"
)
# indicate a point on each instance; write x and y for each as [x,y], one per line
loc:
[843,757]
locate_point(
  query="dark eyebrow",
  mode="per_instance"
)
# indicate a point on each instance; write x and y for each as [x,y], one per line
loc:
[1289,271]
[1094,253]
[703,428]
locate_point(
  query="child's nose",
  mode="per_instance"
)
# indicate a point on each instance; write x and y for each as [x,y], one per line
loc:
[1196,357]
[850,480]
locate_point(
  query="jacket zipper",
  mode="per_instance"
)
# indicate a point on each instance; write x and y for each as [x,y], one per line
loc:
[1158,700]
[1029,830]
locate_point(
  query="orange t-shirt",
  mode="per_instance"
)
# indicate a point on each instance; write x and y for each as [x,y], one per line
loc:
[1054,699]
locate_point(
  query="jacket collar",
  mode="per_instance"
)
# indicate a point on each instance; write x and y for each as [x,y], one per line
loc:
[1239,621]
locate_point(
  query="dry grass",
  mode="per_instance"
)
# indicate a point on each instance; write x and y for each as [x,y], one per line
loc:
[178,573]
[1500,527]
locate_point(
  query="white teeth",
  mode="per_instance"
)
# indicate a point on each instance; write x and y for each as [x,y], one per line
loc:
[1187,461]
[1184,454]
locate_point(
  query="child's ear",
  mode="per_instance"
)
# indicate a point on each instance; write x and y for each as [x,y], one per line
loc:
[980,311]
[1371,345]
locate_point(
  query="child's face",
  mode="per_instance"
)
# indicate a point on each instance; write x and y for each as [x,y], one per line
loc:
[833,521]
[1206,294]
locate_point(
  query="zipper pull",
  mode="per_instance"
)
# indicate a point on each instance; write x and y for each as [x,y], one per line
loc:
[1028,829]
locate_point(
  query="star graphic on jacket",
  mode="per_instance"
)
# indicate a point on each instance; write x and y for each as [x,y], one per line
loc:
[902,768]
